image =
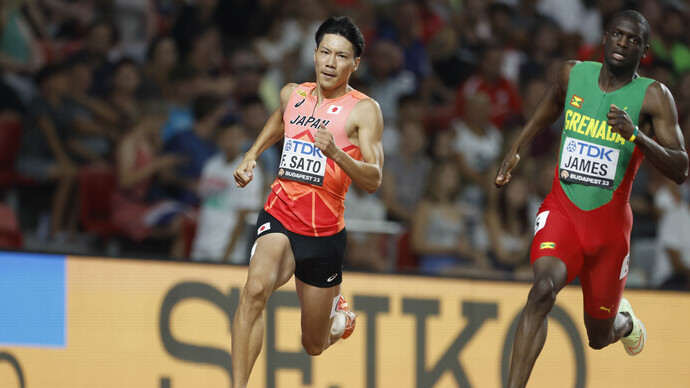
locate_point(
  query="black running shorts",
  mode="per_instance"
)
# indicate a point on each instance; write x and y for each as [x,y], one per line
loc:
[318,260]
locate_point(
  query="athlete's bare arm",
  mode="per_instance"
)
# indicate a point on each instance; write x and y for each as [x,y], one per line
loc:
[367,121]
[548,109]
[667,153]
[272,132]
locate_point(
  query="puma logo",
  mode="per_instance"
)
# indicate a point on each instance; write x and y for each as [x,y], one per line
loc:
[607,309]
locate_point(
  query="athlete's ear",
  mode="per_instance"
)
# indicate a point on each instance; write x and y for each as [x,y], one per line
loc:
[357,61]
[644,51]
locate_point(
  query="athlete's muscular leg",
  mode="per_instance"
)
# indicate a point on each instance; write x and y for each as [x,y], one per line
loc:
[550,277]
[271,266]
[317,304]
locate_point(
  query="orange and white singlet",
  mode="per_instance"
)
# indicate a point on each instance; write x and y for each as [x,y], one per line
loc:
[308,196]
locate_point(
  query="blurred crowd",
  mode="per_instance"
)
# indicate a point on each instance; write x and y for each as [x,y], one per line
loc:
[123,120]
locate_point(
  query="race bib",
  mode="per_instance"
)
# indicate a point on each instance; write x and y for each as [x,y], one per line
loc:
[302,161]
[588,163]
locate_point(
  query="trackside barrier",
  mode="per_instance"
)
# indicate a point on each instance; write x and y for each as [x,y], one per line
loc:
[96,322]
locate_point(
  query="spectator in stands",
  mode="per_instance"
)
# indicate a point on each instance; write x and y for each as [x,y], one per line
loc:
[473,24]
[138,162]
[162,58]
[94,123]
[387,79]
[123,97]
[533,89]
[508,224]
[669,44]
[183,91]
[253,116]
[673,263]
[192,18]
[544,45]
[404,171]
[410,109]
[406,31]
[477,146]
[101,37]
[43,154]
[365,251]
[19,43]
[440,235]
[196,146]
[220,231]
[504,97]
[207,60]
[451,63]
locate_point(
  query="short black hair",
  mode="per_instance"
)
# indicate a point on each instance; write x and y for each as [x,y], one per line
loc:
[103,22]
[204,105]
[634,16]
[250,99]
[153,46]
[125,61]
[48,72]
[345,27]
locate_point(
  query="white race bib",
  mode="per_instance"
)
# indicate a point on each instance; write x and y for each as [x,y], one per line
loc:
[302,161]
[588,163]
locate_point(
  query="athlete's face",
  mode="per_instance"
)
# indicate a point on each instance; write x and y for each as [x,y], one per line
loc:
[624,45]
[335,61]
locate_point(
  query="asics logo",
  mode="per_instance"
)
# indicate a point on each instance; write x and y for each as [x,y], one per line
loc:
[299,103]
[330,279]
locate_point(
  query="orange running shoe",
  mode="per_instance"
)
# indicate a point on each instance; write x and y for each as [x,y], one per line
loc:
[350,317]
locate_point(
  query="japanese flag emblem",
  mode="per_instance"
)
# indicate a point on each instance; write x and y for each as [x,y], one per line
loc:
[264,228]
[334,110]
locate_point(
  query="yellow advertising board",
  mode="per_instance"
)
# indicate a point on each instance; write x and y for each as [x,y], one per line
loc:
[134,323]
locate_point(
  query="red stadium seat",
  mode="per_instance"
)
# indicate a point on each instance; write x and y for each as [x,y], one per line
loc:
[407,260]
[97,184]
[10,139]
[10,234]
[189,222]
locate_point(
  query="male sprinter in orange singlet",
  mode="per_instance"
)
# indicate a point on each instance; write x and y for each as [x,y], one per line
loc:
[613,118]
[332,136]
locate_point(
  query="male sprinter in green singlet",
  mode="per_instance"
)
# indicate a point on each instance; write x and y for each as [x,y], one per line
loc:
[613,118]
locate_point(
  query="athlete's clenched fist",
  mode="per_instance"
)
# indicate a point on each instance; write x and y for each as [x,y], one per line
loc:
[620,122]
[243,174]
[323,140]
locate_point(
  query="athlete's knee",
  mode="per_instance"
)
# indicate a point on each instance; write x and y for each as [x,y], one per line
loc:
[257,291]
[597,342]
[543,293]
[312,347]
